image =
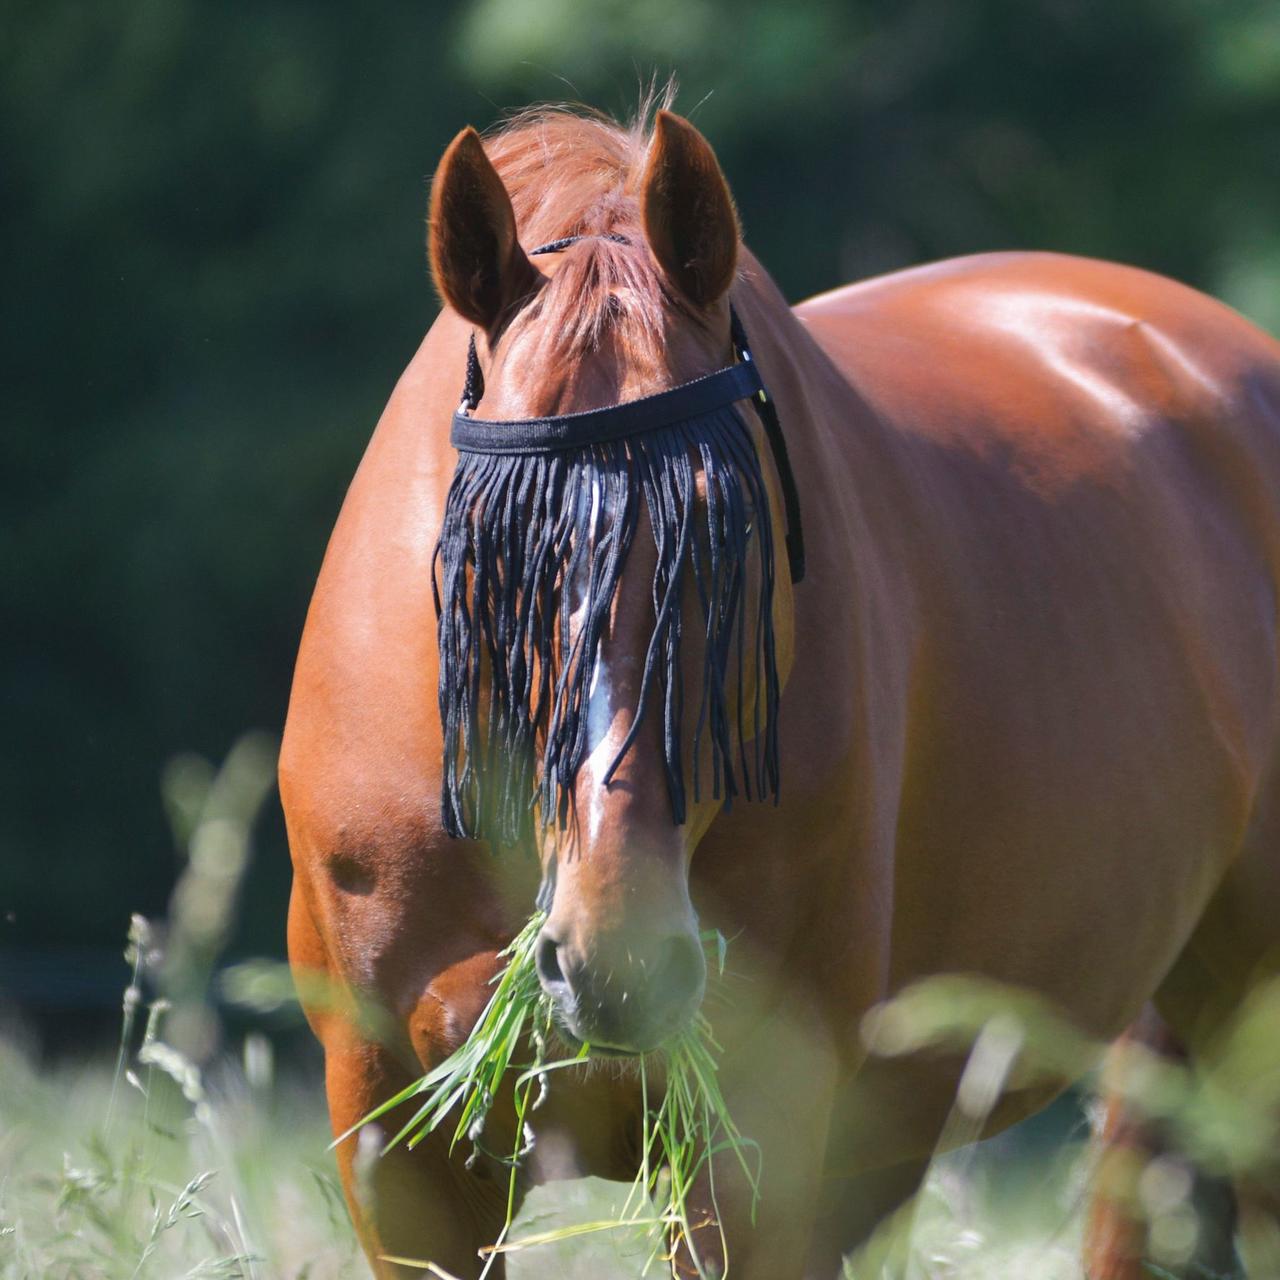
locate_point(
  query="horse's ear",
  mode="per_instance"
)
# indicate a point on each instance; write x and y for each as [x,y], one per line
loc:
[689,218]
[478,264]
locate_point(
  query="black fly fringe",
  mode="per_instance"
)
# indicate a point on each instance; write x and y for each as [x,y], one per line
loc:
[530,556]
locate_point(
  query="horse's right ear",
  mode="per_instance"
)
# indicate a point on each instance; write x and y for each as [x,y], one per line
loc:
[478,264]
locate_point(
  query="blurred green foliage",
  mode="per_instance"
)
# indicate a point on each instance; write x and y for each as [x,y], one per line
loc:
[214,271]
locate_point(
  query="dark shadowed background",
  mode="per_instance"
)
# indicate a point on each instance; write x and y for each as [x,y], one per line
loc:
[214,272]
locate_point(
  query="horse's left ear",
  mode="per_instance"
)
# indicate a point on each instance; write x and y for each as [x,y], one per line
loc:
[689,218]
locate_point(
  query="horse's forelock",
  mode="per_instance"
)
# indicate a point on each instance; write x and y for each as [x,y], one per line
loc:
[576,173]
[563,168]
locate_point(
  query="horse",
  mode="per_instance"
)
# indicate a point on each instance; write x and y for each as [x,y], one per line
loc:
[1014,712]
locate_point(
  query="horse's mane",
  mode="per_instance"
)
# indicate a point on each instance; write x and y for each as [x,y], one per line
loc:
[575,172]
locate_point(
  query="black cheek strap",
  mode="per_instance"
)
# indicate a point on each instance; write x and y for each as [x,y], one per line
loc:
[768,412]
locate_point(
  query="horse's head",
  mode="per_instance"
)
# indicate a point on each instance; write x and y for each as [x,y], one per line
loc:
[614,612]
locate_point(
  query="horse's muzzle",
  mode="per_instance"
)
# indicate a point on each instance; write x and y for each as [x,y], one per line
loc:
[623,995]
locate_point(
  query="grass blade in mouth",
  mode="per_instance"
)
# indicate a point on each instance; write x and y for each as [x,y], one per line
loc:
[681,1132]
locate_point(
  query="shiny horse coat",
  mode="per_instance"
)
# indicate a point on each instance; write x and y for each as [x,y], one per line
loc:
[1028,729]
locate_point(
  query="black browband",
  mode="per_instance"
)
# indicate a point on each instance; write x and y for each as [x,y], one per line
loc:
[741,381]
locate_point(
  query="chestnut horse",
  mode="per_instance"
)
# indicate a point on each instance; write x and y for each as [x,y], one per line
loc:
[1028,707]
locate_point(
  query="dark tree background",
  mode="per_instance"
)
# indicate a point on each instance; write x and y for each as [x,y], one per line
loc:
[214,271]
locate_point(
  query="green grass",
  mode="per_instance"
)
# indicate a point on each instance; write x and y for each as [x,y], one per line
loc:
[181,1157]
[213,1177]
[246,1189]
[150,1168]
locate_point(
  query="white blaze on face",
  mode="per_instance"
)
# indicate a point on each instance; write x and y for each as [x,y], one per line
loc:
[600,748]
[603,740]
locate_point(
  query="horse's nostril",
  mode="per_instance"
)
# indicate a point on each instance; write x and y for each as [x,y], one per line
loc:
[683,969]
[547,962]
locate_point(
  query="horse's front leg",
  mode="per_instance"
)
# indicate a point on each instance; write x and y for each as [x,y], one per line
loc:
[852,1208]
[422,1205]
[778,1082]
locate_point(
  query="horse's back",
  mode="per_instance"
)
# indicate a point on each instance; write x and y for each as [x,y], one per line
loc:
[1004,345]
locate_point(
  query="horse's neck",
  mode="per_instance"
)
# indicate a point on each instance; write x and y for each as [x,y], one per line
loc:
[847,464]
[854,611]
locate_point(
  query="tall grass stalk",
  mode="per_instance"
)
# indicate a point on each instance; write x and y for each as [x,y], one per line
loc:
[135,956]
[686,1121]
